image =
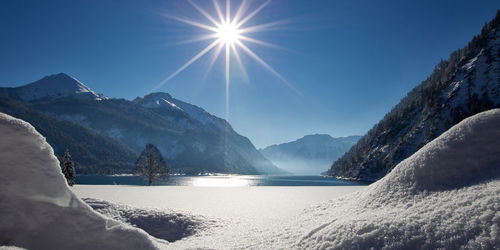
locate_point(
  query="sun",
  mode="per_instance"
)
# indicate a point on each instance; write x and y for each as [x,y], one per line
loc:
[228,33]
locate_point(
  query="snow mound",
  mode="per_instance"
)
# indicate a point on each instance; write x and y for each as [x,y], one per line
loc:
[445,196]
[163,224]
[37,209]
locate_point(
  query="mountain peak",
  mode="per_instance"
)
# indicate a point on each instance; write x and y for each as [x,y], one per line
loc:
[53,87]
[158,100]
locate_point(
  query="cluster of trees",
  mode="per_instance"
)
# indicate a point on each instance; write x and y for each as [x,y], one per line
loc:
[150,165]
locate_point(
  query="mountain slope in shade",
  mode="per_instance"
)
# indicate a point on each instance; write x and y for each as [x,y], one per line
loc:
[466,84]
[311,154]
[191,140]
[91,151]
[53,86]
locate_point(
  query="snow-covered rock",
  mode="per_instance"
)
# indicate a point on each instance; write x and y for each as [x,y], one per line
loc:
[37,208]
[445,196]
[53,87]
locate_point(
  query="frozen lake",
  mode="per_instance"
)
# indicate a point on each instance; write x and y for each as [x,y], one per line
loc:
[242,213]
[218,181]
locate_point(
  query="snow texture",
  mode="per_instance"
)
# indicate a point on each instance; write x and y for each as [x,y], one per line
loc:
[37,208]
[160,223]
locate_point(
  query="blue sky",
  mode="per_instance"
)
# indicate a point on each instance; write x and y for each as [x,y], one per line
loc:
[350,61]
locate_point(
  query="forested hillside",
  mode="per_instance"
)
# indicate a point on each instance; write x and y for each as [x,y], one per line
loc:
[465,84]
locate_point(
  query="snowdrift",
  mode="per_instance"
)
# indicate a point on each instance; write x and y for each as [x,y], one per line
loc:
[446,195]
[160,223]
[37,209]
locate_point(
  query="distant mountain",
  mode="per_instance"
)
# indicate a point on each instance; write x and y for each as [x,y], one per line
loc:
[466,84]
[311,154]
[51,87]
[191,140]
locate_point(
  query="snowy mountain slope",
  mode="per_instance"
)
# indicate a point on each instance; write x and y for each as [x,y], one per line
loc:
[445,196]
[92,151]
[311,154]
[161,100]
[191,141]
[39,211]
[466,84]
[53,86]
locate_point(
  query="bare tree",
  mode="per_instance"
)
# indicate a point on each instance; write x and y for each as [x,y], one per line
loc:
[150,164]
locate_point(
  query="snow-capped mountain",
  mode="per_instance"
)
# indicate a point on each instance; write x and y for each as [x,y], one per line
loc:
[161,100]
[51,87]
[311,154]
[190,139]
[464,85]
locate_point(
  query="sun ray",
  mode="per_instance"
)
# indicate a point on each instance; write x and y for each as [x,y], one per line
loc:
[196,24]
[228,12]
[240,63]
[213,59]
[204,13]
[227,80]
[239,12]
[219,12]
[265,65]
[265,26]
[192,60]
[262,6]
[253,40]
[198,39]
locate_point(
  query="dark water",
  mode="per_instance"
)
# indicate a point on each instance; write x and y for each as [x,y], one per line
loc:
[219,181]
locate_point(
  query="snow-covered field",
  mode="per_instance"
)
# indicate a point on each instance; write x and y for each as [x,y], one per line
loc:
[227,216]
[445,196]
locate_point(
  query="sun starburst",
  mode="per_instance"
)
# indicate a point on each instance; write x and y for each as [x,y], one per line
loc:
[229,33]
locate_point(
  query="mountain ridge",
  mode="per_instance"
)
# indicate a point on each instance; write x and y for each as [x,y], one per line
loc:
[191,139]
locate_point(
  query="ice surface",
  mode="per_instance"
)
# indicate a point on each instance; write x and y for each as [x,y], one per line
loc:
[37,208]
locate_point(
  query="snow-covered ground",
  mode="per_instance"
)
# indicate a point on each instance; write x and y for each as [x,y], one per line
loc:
[224,216]
[445,196]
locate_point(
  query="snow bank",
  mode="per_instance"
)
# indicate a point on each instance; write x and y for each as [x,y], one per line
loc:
[37,209]
[164,224]
[446,195]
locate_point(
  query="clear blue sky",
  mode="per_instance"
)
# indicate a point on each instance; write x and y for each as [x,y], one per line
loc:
[351,61]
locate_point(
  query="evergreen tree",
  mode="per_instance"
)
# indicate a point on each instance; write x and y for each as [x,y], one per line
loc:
[150,164]
[68,168]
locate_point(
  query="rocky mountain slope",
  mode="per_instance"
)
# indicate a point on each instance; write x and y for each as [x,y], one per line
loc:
[191,140]
[464,85]
[311,154]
